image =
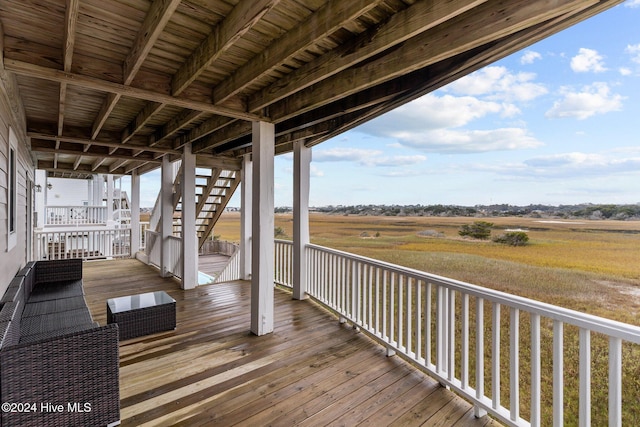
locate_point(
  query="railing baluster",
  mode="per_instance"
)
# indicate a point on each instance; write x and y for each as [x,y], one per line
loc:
[400,310]
[427,325]
[409,313]
[451,324]
[615,382]
[377,294]
[477,410]
[535,370]
[385,336]
[495,355]
[392,321]
[514,363]
[464,338]
[584,417]
[418,319]
[440,330]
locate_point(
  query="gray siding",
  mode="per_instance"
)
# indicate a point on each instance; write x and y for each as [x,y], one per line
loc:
[12,260]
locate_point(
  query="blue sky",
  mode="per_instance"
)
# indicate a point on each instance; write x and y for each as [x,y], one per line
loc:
[557,123]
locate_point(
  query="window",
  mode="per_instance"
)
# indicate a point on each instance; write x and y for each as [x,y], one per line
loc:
[12,192]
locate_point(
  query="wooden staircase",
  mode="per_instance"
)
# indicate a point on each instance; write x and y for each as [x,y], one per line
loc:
[214,188]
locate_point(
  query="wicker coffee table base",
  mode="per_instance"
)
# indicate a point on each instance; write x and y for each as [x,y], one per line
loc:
[144,321]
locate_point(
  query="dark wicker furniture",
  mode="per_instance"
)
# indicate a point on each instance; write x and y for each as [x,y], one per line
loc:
[57,366]
[143,314]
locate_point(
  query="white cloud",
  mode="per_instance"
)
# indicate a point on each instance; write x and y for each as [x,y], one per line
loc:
[497,83]
[634,51]
[591,100]
[632,3]
[588,60]
[624,71]
[468,141]
[582,164]
[365,157]
[529,57]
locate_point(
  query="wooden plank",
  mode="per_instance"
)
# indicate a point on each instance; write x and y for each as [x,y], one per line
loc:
[157,17]
[27,69]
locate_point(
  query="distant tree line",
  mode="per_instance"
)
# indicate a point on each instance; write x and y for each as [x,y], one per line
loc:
[582,211]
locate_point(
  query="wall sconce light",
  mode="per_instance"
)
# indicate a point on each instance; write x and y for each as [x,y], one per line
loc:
[49,186]
[38,188]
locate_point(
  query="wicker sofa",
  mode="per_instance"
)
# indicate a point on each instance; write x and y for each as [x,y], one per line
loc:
[57,366]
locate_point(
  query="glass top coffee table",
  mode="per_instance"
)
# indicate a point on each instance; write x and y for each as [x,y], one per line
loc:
[143,314]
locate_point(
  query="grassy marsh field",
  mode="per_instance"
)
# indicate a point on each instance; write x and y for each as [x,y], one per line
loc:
[589,266]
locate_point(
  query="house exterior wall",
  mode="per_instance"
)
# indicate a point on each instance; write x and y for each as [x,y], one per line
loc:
[13,246]
[68,192]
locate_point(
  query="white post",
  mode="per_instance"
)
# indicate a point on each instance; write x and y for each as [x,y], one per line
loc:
[262,252]
[301,174]
[110,200]
[245,218]
[98,190]
[166,215]
[40,202]
[189,236]
[135,213]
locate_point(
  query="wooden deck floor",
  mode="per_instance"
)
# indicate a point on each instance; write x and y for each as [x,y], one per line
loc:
[312,371]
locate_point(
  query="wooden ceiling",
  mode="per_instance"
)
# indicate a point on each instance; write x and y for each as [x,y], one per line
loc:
[111,86]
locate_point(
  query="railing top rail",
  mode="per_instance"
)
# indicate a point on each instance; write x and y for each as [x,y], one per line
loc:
[74,206]
[582,320]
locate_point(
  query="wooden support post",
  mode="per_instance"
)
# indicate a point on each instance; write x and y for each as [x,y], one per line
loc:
[166,215]
[135,213]
[301,185]
[189,241]
[245,218]
[110,200]
[262,251]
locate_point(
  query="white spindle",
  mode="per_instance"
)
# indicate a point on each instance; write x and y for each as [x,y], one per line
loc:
[400,307]
[535,370]
[418,320]
[451,332]
[477,410]
[558,373]
[495,356]
[584,417]
[427,325]
[615,382]
[514,363]
[464,338]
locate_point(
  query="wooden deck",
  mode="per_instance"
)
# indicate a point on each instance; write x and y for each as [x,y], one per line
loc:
[312,371]
[212,264]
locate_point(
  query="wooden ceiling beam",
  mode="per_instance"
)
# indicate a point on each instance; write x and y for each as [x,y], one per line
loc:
[87,143]
[42,146]
[437,44]
[178,122]
[241,19]
[325,21]
[32,70]
[68,168]
[415,20]
[142,118]
[71,20]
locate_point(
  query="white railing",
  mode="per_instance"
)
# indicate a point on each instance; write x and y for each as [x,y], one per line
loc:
[221,247]
[453,330]
[142,230]
[153,251]
[75,215]
[283,271]
[231,271]
[83,243]
[153,247]
[175,256]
